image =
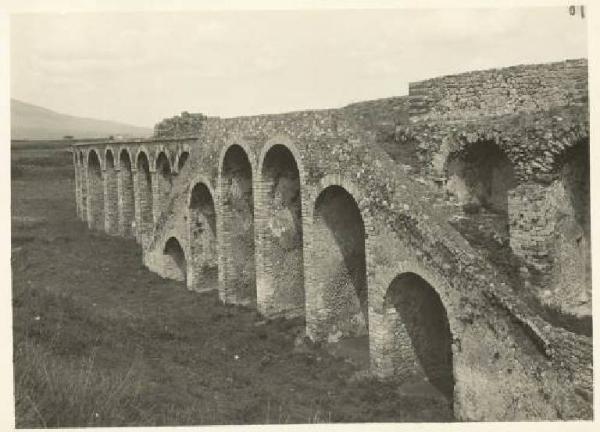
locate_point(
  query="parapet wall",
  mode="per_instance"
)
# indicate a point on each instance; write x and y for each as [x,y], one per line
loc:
[516,89]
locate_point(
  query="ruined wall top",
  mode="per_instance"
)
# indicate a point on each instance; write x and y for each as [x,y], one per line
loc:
[183,125]
[515,89]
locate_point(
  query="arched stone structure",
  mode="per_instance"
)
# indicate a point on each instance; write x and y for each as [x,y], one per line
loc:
[174,265]
[508,361]
[236,236]
[336,282]
[84,185]
[203,266]
[162,184]
[126,195]
[95,199]
[418,335]
[145,220]
[550,231]
[279,240]
[111,201]
[480,174]
[571,273]
[182,160]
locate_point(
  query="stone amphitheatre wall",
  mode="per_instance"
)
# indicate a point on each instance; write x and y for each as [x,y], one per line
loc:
[516,89]
[315,220]
[534,120]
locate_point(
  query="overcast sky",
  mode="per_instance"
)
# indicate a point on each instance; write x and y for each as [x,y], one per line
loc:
[141,67]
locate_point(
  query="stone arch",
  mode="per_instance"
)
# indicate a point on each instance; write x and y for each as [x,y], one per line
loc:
[148,154]
[279,238]
[144,178]
[417,333]
[337,294]
[83,185]
[203,269]
[572,227]
[236,233]
[182,159]
[96,191]
[111,204]
[164,179]
[174,264]
[126,194]
[480,174]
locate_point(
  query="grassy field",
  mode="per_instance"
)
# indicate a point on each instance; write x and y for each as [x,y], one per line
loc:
[101,341]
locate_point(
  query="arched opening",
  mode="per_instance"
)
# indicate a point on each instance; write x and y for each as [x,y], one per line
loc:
[96,196]
[163,180]
[481,176]
[418,333]
[83,186]
[237,203]
[572,254]
[203,239]
[182,160]
[145,198]
[340,268]
[111,206]
[281,274]
[174,265]
[127,216]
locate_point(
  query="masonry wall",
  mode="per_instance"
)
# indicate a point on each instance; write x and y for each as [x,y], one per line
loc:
[84,188]
[280,263]
[174,262]
[126,197]
[338,297]
[526,88]
[144,195]
[203,271]
[421,341]
[162,184]
[111,197]
[95,197]
[545,370]
[550,230]
[237,229]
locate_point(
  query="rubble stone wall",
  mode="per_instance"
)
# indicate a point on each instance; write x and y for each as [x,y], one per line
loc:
[126,197]
[95,198]
[516,89]
[279,254]
[111,197]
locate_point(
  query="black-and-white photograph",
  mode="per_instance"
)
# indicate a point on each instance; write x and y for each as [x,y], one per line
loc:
[253,216]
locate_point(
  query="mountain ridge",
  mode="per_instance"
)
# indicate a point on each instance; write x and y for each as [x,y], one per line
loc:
[34,122]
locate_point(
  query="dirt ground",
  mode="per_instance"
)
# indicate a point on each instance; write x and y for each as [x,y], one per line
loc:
[100,340]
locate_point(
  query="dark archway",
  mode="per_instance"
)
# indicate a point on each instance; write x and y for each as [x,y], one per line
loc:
[282,263]
[182,160]
[83,186]
[164,180]
[127,216]
[481,175]
[339,261]
[96,192]
[572,252]
[111,206]
[145,198]
[237,203]
[203,239]
[416,325]
[174,264]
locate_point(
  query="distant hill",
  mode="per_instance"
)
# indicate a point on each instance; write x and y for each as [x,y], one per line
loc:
[34,122]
